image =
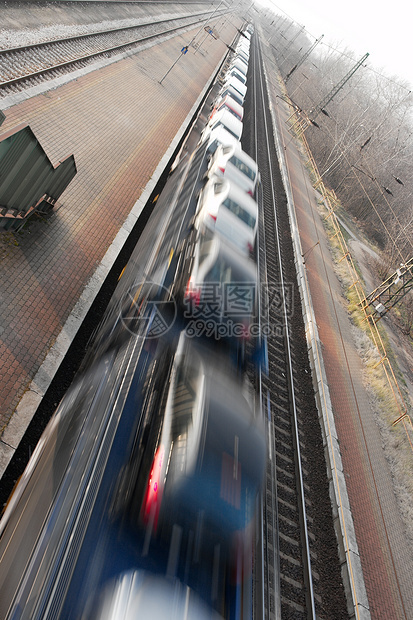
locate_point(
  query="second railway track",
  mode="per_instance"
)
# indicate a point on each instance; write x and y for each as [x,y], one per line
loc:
[26,65]
[301,576]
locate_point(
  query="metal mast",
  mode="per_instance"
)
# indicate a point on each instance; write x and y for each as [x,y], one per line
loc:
[390,291]
[300,62]
[320,107]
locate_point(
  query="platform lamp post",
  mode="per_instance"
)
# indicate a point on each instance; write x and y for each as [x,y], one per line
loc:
[215,34]
[184,50]
[210,31]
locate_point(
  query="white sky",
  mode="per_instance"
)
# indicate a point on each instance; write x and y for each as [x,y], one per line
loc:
[382,29]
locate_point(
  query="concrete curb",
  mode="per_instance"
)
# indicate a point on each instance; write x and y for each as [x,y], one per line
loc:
[351,570]
[26,409]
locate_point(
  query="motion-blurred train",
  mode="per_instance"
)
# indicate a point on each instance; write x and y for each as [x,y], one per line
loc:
[141,497]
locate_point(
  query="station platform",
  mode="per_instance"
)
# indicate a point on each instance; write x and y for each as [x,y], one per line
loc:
[123,123]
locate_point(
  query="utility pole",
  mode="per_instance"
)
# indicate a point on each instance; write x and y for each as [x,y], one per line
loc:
[320,107]
[304,58]
[184,50]
[391,291]
[289,44]
[306,119]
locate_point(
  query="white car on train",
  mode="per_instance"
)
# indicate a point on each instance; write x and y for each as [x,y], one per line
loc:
[234,164]
[228,210]
[223,119]
[230,104]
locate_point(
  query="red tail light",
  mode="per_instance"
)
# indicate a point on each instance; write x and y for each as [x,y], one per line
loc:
[153,496]
[250,192]
[222,169]
[192,293]
[213,216]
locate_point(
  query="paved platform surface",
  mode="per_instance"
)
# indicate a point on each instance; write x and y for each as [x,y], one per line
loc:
[385,552]
[119,122]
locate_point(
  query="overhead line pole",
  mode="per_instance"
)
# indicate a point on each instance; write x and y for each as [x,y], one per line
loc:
[391,291]
[303,59]
[320,107]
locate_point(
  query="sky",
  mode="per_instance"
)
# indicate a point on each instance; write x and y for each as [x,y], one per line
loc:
[382,29]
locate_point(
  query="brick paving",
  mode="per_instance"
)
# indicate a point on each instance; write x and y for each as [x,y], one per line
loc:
[385,552]
[118,121]
[360,445]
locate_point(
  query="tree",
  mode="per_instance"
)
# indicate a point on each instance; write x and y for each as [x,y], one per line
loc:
[365,142]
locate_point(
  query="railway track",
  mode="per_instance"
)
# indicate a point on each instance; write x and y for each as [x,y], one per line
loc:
[21,67]
[285,520]
[294,549]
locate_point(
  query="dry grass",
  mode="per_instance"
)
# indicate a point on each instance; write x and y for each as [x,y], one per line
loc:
[395,440]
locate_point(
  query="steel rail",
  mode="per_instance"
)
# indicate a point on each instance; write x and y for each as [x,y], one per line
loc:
[310,599]
[22,48]
[262,500]
[272,589]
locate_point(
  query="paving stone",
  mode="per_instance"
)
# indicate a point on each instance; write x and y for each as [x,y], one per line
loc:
[118,122]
